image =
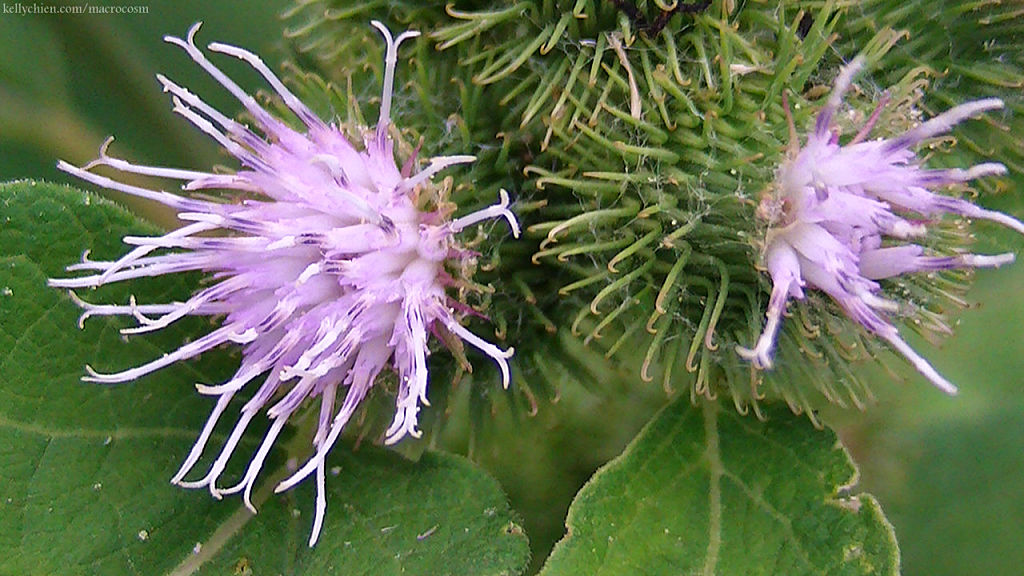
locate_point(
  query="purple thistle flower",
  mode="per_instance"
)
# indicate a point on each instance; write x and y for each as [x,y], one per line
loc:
[840,216]
[328,275]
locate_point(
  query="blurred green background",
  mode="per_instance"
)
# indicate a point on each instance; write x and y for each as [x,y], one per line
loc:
[68,81]
[948,471]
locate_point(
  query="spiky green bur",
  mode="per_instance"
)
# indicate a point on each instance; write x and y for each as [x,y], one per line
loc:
[648,156]
[652,153]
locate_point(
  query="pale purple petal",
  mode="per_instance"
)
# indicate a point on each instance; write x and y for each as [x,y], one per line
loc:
[327,274]
[839,213]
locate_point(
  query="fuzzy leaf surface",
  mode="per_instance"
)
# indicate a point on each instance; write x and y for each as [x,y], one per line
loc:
[704,490]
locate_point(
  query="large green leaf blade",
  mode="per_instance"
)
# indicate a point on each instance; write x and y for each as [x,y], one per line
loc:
[84,468]
[707,491]
[386,516]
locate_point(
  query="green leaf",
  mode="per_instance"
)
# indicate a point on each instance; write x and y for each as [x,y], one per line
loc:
[84,468]
[707,491]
